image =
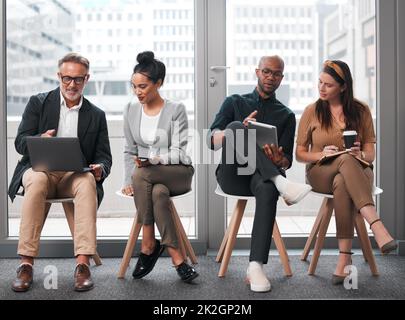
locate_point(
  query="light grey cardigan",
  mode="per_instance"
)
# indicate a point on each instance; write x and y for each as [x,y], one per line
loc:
[171,136]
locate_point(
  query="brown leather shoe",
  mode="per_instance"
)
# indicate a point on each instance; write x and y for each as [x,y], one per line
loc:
[83,280]
[23,281]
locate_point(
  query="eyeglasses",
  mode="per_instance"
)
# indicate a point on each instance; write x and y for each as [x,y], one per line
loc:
[77,80]
[268,73]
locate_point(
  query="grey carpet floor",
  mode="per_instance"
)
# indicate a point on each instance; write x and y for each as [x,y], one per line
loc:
[163,283]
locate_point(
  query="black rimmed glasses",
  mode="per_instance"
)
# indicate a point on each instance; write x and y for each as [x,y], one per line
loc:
[268,73]
[77,80]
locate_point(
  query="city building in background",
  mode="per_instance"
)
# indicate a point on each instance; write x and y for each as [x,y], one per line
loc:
[286,28]
[351,36]
[304,33]
[38,33]
[111,34]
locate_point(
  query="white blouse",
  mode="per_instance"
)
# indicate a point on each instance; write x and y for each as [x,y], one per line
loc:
[149,125]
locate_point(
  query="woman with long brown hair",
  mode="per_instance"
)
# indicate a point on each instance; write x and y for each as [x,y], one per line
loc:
[347,176]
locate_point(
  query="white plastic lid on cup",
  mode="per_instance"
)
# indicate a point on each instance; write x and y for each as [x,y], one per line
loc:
[350,133]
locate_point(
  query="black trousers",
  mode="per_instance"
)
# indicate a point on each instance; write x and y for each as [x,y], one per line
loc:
[257,184]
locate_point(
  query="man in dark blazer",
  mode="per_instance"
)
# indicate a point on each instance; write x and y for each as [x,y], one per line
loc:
[63,112]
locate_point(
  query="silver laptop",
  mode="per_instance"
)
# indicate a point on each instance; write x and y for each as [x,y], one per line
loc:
[56,154]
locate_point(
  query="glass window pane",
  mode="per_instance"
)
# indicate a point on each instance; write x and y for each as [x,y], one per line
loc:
[41,32]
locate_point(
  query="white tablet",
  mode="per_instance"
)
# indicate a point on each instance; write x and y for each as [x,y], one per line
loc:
[265,133]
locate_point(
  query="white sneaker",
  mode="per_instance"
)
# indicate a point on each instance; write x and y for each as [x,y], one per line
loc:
[256,278]
[295,192]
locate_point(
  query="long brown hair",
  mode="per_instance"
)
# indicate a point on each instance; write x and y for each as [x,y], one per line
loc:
[352,108]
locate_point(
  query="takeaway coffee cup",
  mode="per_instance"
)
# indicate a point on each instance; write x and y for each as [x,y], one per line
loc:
[350,138]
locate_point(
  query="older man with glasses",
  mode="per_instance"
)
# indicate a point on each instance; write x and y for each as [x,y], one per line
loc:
[265,177]
[63,112]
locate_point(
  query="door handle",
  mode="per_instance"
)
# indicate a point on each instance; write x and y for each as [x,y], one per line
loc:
[219,68]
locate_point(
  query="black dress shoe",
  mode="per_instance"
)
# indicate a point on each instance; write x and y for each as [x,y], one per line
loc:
[146,262]
[186,272]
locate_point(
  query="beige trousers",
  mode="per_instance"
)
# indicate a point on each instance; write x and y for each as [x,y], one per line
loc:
[351,185]
[38,187]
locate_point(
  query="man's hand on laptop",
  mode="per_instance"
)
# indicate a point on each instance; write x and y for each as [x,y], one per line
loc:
[49,134]
[97,171]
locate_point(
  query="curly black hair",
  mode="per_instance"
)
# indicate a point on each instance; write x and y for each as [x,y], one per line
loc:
[150,67]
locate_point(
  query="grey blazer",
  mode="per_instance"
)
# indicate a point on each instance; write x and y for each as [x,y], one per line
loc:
[171,136]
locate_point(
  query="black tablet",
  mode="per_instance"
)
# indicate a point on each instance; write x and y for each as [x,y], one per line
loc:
[265,133]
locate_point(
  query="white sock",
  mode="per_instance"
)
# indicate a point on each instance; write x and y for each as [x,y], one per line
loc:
[255,264]
[281,183]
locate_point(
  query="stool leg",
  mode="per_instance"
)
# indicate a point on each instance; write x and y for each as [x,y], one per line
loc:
[188,248]
[365,243]
[182,247]
[326,212]
[311,238]
[221,251]
[97,260]
[69,209]
[278,240]
[178,225]
[233,232]
[47,208]
[129,249]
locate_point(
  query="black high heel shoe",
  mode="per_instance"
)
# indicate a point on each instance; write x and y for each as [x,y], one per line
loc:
[336,279]
[389,246]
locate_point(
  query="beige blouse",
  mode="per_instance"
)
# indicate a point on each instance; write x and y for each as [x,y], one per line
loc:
[312,136]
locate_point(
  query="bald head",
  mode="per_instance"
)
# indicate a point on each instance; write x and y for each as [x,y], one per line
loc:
[269,75]
[273,60]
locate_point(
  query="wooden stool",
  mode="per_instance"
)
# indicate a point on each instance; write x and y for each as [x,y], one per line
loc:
[228,242]
[68,208]
[184,244]
[321,226]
